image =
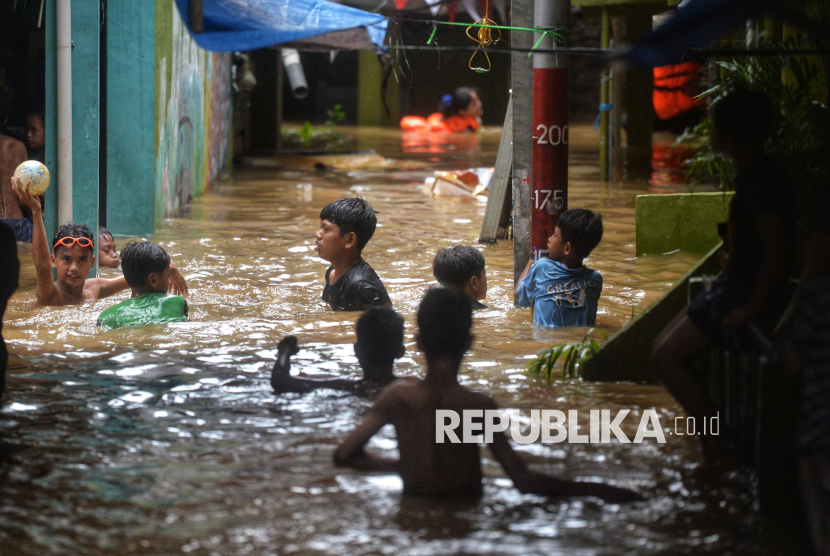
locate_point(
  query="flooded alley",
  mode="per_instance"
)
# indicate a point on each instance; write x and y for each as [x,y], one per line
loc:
[166,439]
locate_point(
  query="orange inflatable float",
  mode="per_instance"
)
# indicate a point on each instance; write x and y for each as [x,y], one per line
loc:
[459,112]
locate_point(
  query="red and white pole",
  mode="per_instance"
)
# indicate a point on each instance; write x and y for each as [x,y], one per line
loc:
[549,193]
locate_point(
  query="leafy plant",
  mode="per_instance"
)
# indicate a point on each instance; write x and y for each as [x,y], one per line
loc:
[306,133]
[335,114]
[572,354]
[798,85]
[706,165]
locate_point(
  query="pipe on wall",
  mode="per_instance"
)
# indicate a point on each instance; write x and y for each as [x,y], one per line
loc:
[63,14]
[294,69]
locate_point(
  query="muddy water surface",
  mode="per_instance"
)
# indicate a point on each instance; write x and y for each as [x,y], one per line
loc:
[168,439]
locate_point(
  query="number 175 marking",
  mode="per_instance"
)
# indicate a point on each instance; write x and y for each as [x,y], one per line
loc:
[557,202]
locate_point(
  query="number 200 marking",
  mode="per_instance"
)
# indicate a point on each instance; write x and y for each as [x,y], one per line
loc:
[546,138]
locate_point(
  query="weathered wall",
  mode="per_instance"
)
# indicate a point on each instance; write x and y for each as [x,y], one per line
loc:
[686,221]
[131,116]
[193,111]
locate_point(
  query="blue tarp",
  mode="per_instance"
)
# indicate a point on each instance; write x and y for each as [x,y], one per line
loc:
[241,25]
[696,25]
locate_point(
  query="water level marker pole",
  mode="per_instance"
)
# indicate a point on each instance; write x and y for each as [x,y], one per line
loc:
[549,189]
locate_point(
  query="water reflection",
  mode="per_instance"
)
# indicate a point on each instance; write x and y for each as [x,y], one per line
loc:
[167,438]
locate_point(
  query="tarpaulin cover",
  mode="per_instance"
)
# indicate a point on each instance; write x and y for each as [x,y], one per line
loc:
[696,25]
[241,25]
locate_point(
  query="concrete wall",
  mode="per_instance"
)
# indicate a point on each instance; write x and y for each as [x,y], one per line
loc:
[85,112]
[193,114]
[131,117]
[686,221]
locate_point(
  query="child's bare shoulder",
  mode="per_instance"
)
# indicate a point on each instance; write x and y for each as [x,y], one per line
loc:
[402,386]
[477,400]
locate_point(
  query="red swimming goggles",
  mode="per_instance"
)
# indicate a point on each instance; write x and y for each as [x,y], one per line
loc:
[70,241]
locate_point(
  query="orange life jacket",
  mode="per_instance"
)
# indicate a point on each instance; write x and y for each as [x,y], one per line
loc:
[437,123]
[671,86]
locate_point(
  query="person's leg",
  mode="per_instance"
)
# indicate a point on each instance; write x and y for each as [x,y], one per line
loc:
[674,350]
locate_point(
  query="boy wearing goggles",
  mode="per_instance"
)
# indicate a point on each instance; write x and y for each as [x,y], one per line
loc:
[73,257]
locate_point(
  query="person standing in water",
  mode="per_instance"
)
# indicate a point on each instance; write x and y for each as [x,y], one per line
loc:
[12,153]
[73,257]
[346,226]
[446,469]
[9,276]
[462,267]
[458,112]
[379,342]
[107,253]
[148,272]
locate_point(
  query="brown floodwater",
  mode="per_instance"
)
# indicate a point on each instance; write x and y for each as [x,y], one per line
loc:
[167,439]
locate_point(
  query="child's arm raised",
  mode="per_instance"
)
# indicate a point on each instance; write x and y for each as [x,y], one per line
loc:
[40,246]
[282,381]
[351,453]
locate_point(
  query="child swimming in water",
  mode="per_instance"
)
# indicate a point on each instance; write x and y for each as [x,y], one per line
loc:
[379,343]
[107,253]
[147,271]
[447,470]
[73,258]
[346,226]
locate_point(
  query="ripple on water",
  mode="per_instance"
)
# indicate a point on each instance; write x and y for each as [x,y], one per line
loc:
[167,439]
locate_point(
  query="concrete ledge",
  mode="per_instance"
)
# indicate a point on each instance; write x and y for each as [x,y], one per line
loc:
[625,355]
[686,221]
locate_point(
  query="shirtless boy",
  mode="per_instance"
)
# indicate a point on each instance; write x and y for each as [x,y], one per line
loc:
[12,153]
[447,470]
[73,258]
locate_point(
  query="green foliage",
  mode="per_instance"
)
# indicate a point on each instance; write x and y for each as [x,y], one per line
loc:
[572,354]
[795,83]
[706,165]
[335,114]
[318,139]
[306,133]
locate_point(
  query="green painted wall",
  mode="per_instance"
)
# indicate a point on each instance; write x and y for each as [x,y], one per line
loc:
[625,355]
[131,117]
[85,114]
[193,114]
[370,111]
[686,221]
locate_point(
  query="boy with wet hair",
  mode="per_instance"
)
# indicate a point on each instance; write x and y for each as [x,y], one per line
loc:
[73,258]
[379,343]
[446,470]
[147,271]
[561,290]
[107,253]
[346,226]
[462,267]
